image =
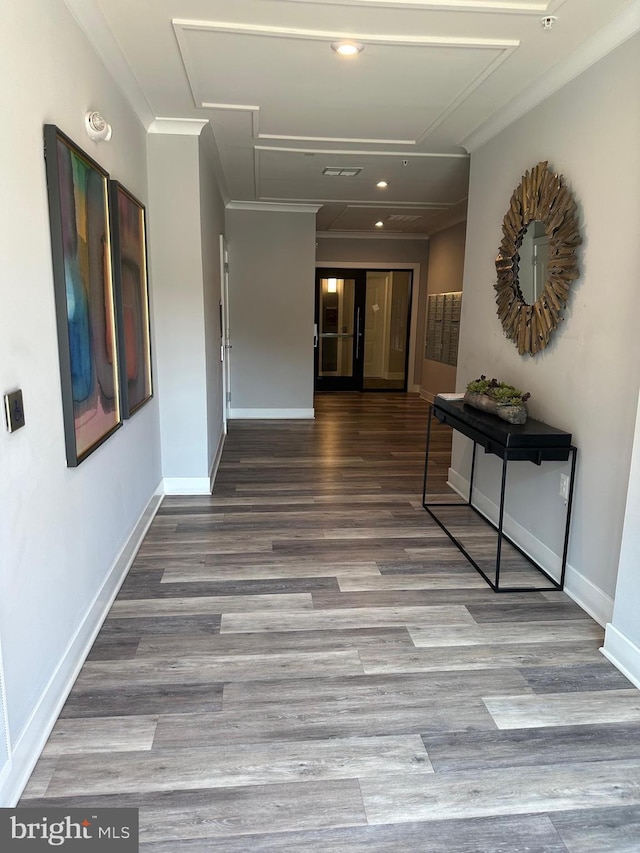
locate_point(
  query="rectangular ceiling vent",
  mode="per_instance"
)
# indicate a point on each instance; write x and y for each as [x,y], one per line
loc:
[402,217]
[342,171]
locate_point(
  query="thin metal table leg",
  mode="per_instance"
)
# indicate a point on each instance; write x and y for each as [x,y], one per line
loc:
[426,457]
[565,549]
[473,471]
[500,521]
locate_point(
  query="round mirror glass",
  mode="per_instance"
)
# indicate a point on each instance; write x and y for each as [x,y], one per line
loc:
[530,264]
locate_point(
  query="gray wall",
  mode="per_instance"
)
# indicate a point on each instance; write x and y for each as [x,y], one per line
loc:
[587,380]
[176,264]
[445,275]
[271,283]
[385,253]
[62,530]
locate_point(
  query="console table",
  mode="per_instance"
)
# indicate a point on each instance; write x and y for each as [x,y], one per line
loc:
[533,441]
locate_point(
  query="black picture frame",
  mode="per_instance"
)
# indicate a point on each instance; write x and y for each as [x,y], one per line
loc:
[129,254]
[78,196]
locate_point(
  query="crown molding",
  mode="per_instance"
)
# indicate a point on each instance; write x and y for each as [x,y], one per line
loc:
[616,32]
[366,235]
[501,6]
[90,19]
[178,126]
[353,152]
[403,40]
[272,206]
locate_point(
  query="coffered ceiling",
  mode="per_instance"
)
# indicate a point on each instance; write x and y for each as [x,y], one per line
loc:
[434,80]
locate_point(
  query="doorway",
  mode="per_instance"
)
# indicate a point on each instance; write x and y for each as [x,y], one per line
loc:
[362,329]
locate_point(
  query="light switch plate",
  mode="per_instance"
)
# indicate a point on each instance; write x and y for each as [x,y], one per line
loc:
[14,410]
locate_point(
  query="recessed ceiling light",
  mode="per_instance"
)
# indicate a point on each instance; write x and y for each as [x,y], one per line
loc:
[347,48]
[382,185]
[380,224]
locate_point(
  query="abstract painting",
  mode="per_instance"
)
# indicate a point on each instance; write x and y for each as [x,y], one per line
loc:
[132,297]
[84,295]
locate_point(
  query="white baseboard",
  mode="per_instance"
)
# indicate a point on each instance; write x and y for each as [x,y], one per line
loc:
[587,595]
[27,749]
[186,486]
[271,414]
[427,395]
[216,461]
[623,654]
[579,588]
[458,483]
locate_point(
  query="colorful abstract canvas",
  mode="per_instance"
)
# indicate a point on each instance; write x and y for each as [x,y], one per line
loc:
[132,297]
[83,283]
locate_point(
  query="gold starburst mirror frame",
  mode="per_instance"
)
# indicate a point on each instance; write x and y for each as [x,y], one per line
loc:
[542,213]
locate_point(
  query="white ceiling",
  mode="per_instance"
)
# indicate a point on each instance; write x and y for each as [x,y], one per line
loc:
[435,80]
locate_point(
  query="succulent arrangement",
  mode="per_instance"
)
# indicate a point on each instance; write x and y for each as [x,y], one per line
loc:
[498,391]
[498,398]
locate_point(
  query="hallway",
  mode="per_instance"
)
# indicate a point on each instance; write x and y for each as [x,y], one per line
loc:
[303,662]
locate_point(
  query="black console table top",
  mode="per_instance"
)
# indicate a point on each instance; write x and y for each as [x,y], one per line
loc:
[533,441]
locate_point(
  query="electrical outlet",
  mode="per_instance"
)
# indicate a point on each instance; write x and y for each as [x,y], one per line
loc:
[564,487]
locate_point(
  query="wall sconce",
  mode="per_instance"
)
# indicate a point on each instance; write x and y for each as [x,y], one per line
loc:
[332,285]
[97,128]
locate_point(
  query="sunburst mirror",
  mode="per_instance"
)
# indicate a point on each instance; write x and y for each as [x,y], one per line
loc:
[537,260]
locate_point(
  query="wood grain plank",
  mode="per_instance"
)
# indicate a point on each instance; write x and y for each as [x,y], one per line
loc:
[512,790]
[457,750]
[106,734]
[535,633]
[237,765]
[394,689]
[200,572]
[525,712]
[473,657]
[599,675]
[196,606]
[378,617]
[603,830]
[527,834]
[346,718]
[178,669]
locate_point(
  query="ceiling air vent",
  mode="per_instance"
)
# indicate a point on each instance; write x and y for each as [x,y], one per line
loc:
[342,171]
[402,217]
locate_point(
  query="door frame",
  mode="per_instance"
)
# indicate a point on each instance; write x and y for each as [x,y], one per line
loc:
[225,341]
[341,383]
[415,291]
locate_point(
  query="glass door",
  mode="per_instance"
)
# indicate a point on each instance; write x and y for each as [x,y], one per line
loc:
[362,329]
[339,329]
[386,330]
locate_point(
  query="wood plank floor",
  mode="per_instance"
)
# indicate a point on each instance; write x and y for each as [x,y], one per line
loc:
[303,663]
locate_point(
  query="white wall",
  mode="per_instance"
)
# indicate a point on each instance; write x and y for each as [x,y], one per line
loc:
[61,529]
[271,284]
[587,380]
[175,250]
[622,641]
